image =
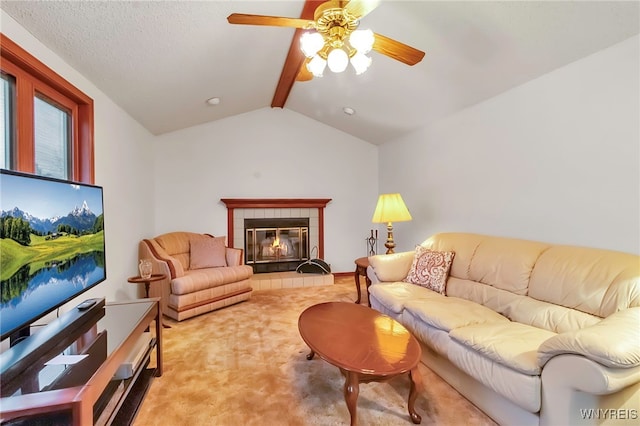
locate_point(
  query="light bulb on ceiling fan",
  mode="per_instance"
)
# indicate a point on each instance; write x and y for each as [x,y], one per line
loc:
[311,43]
[360,62]
[337,60]
[362,40]
[316,66]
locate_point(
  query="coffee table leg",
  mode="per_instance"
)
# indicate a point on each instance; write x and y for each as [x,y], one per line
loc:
[416,388]
[351,391]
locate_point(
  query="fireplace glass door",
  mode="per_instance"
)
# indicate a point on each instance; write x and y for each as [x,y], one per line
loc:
[281,247]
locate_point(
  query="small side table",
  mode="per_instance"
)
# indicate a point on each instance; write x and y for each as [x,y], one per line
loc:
[147,283]
[362,264]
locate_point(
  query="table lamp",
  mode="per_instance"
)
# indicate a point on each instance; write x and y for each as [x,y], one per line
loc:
[390,208]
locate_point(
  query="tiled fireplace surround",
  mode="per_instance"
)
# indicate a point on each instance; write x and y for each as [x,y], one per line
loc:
[239,209]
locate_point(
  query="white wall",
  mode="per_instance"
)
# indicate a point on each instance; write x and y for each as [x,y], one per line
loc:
[267,153]
[122,168]
[555,160]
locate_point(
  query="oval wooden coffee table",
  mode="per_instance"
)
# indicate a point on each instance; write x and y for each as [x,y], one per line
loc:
[365,345]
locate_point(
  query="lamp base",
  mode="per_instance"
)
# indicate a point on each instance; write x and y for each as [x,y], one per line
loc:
[390,245]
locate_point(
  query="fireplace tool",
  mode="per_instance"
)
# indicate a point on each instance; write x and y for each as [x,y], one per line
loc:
[314,266]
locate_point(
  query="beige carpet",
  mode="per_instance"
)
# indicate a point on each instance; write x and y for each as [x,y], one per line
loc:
[246,365]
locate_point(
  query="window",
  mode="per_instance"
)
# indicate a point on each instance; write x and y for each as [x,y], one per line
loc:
[47,123]
[51,139]
[7,123]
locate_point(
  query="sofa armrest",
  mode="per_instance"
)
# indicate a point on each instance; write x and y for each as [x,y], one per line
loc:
[151,250]
[234,256]
[574,387]
[613,342]
[390,267]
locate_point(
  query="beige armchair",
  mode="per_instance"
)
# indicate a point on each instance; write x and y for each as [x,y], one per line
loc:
[202,273]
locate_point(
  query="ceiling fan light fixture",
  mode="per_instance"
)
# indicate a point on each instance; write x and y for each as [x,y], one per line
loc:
[316,66]
[337,60]
[360,62]
[330,38]
[311,43]
[362,40]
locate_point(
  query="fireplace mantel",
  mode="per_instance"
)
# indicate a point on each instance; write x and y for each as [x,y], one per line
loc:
[269,203]
[278,203]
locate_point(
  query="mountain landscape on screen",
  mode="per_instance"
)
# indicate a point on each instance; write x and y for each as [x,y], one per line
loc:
[81,219]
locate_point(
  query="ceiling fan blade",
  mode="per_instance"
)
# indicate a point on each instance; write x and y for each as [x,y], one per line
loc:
[304,74]
[360,8]
[273,21]
[396,50]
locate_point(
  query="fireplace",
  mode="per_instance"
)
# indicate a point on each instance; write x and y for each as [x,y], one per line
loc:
[301,219]
[276,244]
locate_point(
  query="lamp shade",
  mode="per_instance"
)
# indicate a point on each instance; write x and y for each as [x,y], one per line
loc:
[390,208]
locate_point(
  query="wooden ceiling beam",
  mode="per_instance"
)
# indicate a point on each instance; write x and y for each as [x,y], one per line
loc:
[294,60]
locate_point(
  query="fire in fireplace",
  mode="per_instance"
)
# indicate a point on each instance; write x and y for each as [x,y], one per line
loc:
[276,244]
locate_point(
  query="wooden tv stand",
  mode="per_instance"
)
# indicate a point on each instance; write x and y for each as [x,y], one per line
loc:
[87,393]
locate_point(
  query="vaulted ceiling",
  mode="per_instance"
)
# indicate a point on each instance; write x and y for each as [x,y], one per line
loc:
[161,60]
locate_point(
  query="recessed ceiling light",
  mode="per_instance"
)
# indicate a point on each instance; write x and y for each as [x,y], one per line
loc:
[213,101]
[348,110]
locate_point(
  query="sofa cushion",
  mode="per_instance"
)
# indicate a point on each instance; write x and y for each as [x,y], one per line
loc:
[596,281]
[200,279]
[207,299]
[433,338]
[464,245]
[207,253]
[505,263]
[430,269]
[511,344]
[451,312]
[176,244]
[523,389]
[393,296]
[521,308]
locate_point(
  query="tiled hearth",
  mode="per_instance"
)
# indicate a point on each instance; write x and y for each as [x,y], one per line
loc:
[292,279]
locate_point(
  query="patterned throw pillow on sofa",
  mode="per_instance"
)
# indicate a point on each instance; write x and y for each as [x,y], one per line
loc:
[430,269]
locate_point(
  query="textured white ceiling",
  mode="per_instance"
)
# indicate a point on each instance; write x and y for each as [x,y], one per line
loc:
[161,60]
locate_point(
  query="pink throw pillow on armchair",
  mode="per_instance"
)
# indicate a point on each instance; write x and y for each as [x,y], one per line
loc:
[430,269]
[207,253]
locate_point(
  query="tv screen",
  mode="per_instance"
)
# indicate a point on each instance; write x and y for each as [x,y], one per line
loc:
[52,245]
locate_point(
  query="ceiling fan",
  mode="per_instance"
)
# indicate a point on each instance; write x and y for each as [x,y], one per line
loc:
[333,26]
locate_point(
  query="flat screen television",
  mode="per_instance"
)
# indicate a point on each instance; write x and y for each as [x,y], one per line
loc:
[52,246]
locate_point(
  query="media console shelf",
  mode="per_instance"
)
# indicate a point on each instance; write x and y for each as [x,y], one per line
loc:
[94,390]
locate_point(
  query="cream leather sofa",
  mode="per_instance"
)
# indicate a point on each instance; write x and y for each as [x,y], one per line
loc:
[192,289]
[531,333]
